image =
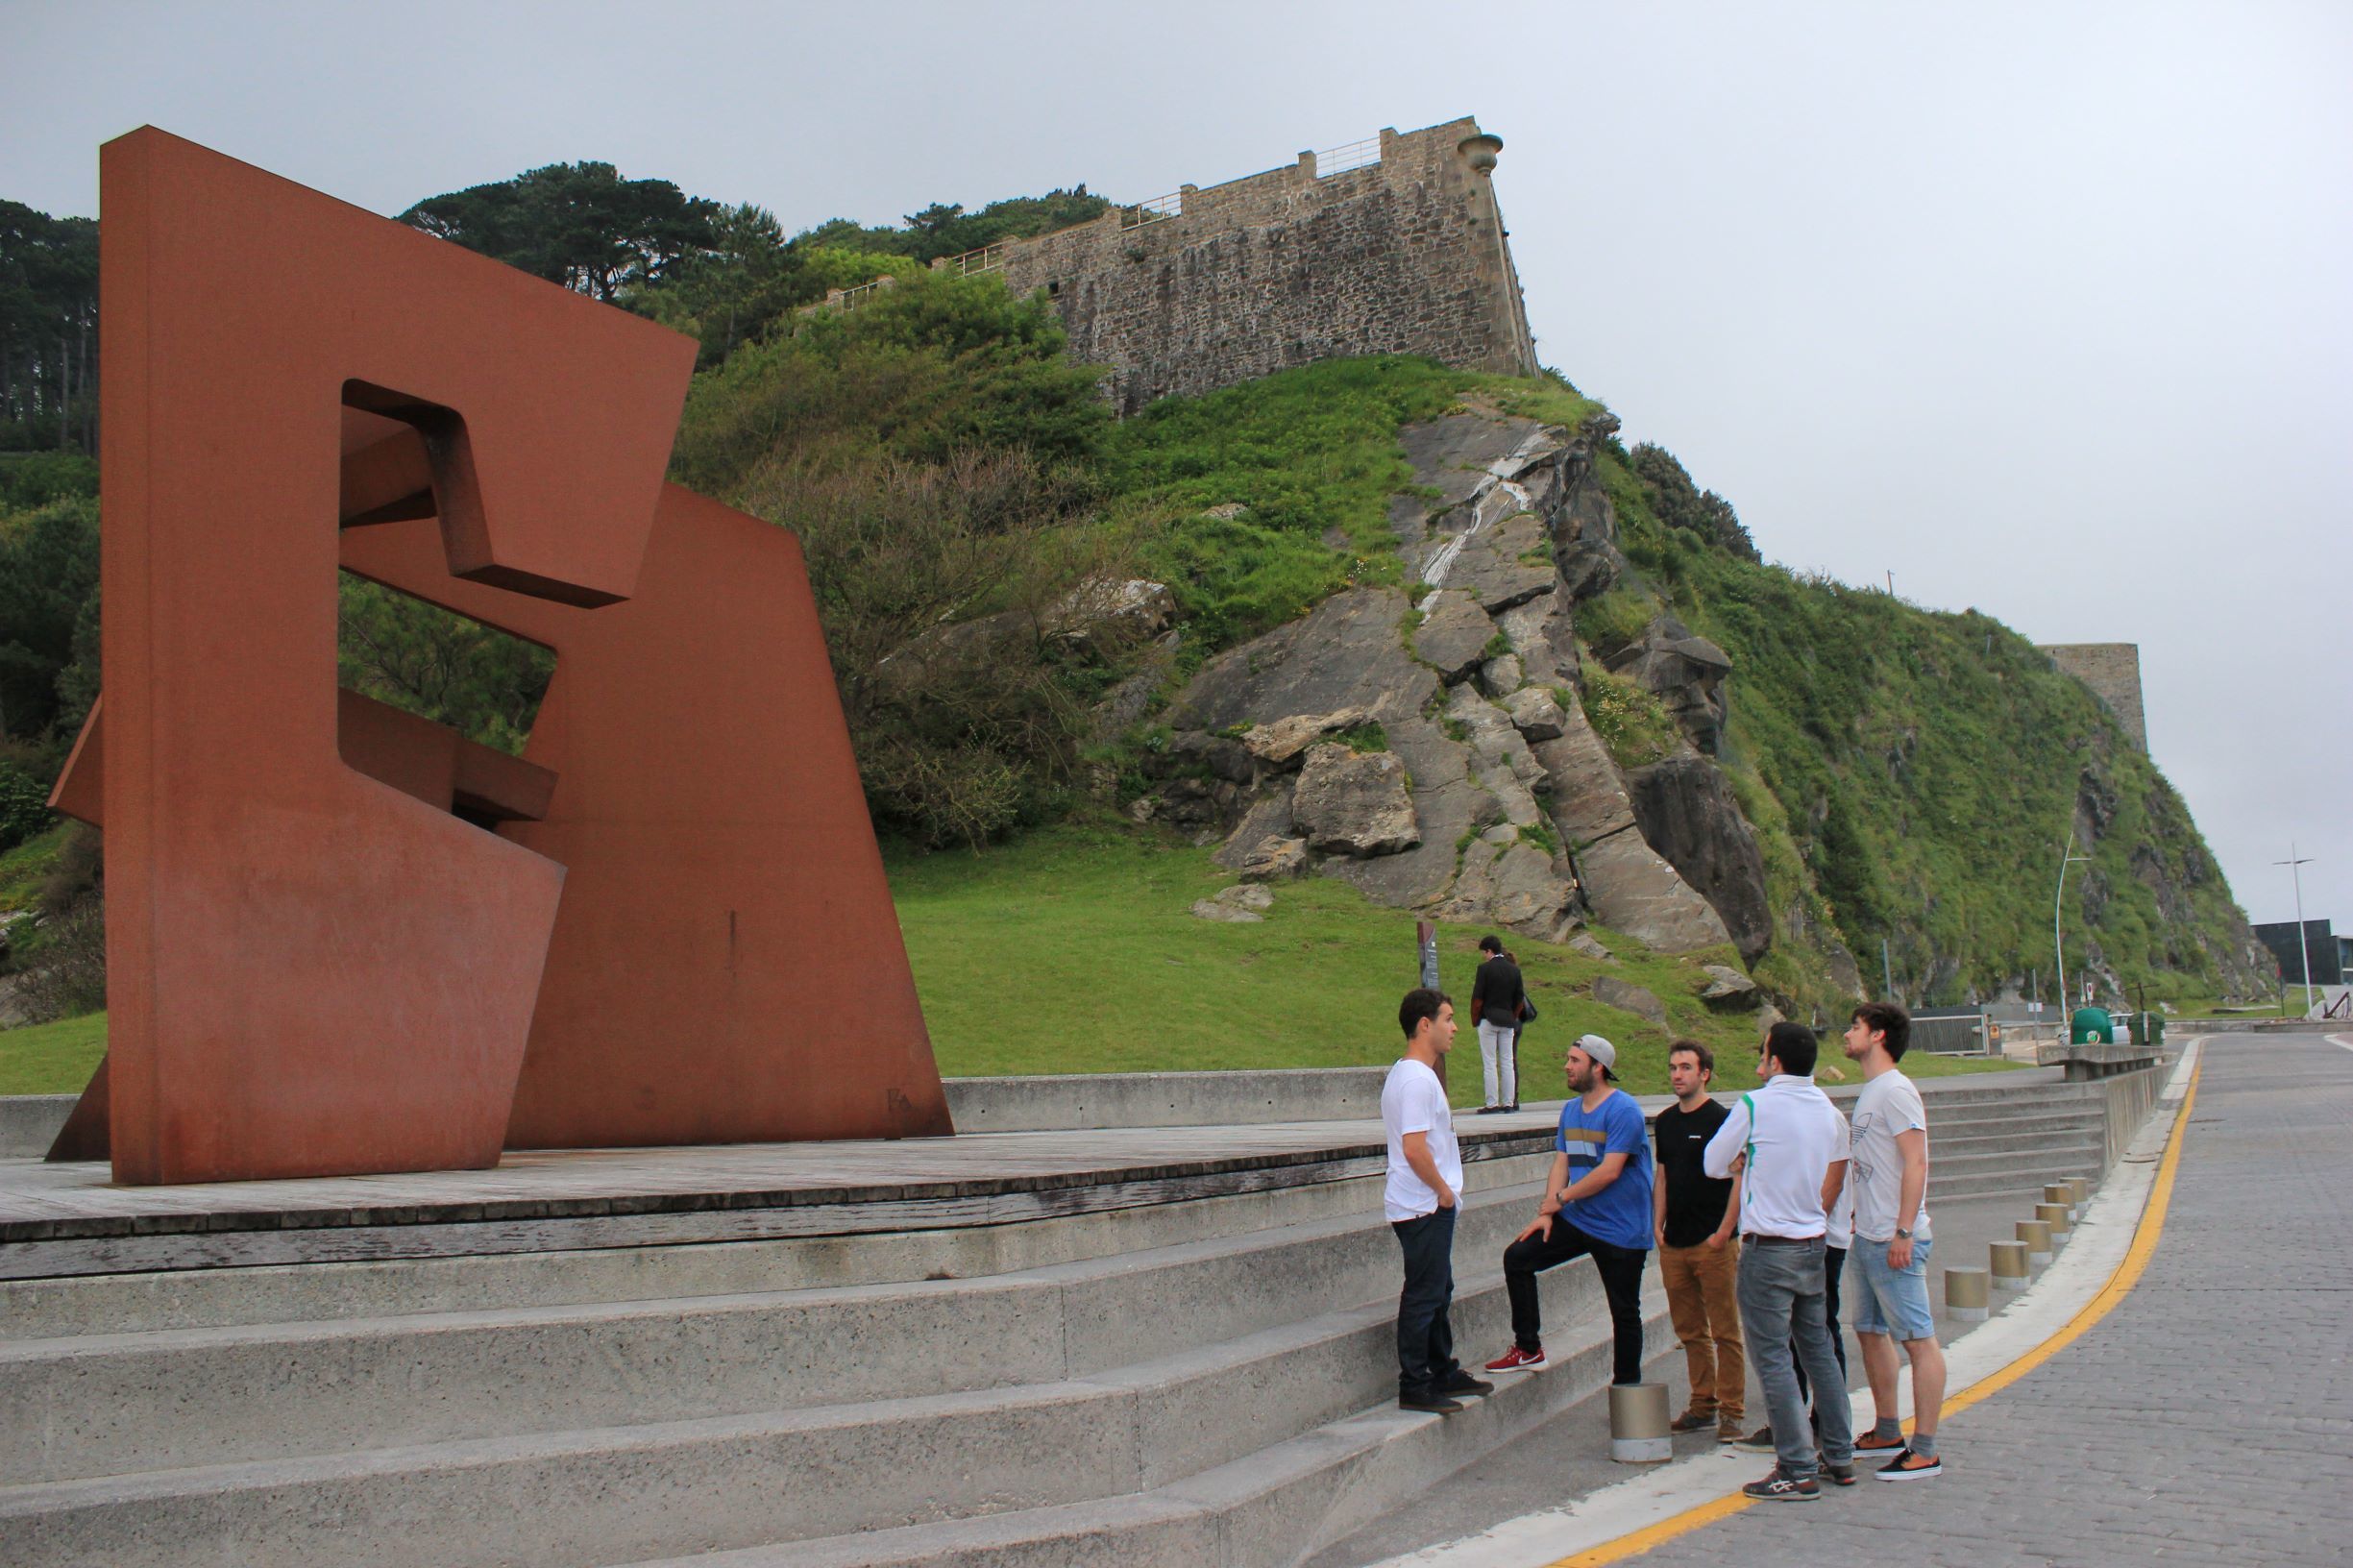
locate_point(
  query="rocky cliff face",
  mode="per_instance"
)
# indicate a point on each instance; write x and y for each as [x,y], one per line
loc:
[1432,748]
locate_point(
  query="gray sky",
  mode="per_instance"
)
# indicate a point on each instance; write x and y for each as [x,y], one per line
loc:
[2043,307]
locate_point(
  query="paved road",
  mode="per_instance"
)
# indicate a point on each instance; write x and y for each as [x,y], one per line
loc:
[2206,1419]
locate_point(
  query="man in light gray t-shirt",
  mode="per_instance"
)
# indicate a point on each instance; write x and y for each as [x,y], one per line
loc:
[1890,1176]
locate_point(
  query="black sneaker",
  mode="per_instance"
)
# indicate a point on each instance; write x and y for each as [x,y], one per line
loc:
[1838,1475]
[1778,1488]
[1462,1382]
[1429,1404]
[1692,1421]
[1760,1440]
[1910,1466]
[1489,1111]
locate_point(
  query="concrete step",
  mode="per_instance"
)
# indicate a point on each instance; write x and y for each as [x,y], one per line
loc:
[2025,1184]
[619,1494]
[112,1404]
[1270,1509]
[137,1302]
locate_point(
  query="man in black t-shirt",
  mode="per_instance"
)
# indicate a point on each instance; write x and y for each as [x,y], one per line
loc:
[1697,1216]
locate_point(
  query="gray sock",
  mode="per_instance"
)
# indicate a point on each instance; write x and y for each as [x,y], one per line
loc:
[1888,1428]
[1923,1444]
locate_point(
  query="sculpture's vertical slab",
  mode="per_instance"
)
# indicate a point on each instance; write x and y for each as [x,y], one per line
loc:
[312,973]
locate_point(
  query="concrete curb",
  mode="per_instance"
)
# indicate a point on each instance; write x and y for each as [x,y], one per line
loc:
[2098,1245]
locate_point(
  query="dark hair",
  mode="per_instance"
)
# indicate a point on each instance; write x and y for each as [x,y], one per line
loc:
[1490,944]
[1889,1019]
[1421,1002]
[1793,1046]
[1708,1058]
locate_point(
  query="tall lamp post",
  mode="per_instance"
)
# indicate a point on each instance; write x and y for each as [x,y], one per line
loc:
[2058,941]
[2303,941]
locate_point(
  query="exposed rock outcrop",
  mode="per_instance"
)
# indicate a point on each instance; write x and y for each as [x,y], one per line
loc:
[1628,997]
[1495,801]
[1355,802]
[1687,812]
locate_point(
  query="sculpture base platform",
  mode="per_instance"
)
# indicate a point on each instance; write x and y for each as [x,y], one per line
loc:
[70,1219]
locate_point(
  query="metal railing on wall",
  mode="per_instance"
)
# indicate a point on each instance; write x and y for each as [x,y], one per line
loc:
[1355,155]
[1140,213]
[988,258]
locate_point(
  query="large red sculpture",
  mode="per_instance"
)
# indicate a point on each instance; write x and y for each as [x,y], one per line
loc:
[341,939]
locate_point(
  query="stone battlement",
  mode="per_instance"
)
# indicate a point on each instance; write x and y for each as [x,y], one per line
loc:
[1395,245]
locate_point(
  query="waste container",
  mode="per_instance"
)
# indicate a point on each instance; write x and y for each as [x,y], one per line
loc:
[2091,1026]
[2149,1029]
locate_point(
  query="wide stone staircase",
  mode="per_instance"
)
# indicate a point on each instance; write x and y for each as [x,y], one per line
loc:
[1205,1382]
[1208,1381]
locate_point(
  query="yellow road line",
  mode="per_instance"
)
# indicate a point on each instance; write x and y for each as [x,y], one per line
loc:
[2120,1283]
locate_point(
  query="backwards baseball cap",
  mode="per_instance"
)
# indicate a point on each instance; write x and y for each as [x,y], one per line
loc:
[1601,1050]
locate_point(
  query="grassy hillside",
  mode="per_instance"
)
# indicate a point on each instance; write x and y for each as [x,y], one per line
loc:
[1913,774]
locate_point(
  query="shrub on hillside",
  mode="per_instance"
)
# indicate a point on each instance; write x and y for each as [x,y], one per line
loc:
[930,367]
[948,593]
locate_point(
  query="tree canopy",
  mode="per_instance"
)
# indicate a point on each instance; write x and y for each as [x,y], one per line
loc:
[581,225]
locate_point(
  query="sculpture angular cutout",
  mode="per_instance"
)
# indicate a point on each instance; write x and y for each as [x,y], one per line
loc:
[343,940]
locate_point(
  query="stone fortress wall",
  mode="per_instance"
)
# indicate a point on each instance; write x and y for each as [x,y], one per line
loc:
[1393,245]
[2113,672]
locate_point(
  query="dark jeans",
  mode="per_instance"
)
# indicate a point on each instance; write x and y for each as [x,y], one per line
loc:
[1424,1339]
[1621,1272]
[1833,1264]
[1780,1309]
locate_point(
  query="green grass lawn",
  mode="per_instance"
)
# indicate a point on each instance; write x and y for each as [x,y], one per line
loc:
[1073,951]
[52,1058]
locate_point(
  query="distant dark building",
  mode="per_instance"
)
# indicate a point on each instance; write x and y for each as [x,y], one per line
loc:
[2331,955]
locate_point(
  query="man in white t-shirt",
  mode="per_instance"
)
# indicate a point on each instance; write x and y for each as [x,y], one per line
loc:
[1889,1179]
[1425,1186]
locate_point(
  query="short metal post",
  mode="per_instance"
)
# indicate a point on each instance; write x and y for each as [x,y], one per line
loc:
[2055,1215]
[1966,1296]
[2036,1234]
[1639,1424]
[2083,1192]
[2010,1270]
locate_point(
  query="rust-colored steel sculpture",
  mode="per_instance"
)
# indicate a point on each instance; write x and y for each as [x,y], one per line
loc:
[341,939]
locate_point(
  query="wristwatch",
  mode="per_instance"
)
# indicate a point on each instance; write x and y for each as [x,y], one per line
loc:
[1903,1235]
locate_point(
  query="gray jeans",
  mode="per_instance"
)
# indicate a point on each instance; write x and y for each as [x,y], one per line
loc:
[1780,1309]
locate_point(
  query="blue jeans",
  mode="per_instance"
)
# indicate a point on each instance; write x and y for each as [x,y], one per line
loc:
[1781,1311]
[1895,1300]
[1425,1337]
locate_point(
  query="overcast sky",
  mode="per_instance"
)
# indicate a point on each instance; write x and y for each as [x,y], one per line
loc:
[2043,307]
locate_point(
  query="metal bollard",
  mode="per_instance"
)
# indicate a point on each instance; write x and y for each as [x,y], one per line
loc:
[2036,1234]
[2053,1215]
[1966,1298]
[1638,1420]
[2059,1193]
[2083,1194]
[2010,1271]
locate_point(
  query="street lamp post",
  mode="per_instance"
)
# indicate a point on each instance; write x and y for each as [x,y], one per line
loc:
[2058,940]
[2294,864]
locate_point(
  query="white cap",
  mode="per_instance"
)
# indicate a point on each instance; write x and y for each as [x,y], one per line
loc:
[1600,1049]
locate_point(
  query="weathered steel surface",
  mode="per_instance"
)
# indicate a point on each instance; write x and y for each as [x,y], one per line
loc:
[314,973]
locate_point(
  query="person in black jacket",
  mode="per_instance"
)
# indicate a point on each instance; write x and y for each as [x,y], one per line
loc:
[1498,999]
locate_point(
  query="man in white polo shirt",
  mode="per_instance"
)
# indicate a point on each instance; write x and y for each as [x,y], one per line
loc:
[1791,1143]
[1892,1242]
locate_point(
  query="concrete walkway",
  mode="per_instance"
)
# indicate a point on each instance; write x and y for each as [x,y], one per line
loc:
[2207,1418]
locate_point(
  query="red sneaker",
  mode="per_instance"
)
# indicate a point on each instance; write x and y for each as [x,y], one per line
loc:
[1517,1360]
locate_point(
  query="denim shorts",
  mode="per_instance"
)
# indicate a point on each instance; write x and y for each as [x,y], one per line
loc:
[1893,1302]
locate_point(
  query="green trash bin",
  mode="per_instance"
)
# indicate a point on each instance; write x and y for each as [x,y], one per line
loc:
[2149,1029]
[2091,1026]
